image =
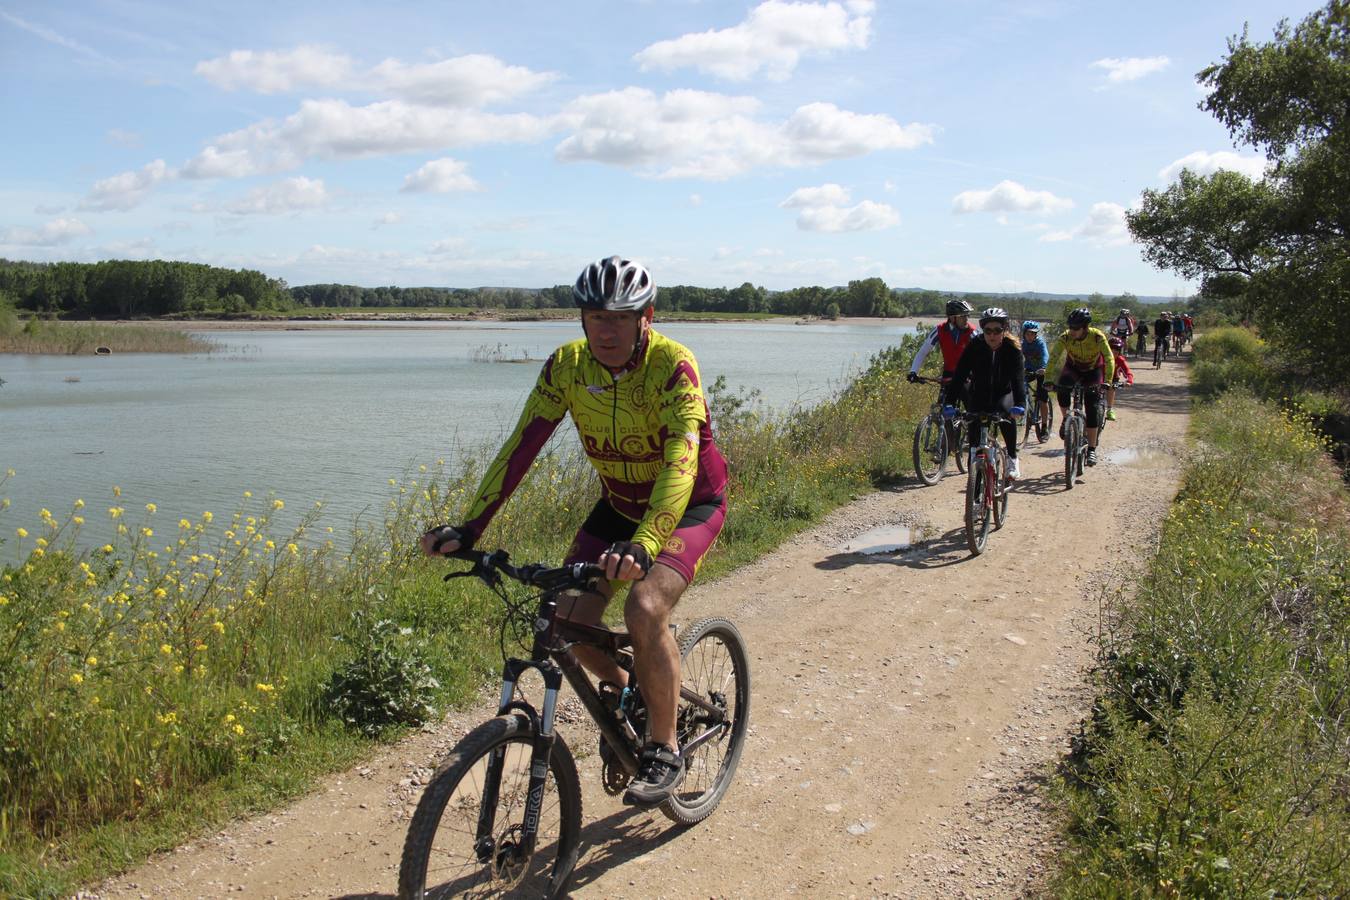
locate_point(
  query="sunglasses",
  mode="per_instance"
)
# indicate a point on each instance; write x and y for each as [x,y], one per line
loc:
[993,329]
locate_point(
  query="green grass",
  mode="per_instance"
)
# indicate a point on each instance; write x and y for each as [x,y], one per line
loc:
[1217,763]
[195,658]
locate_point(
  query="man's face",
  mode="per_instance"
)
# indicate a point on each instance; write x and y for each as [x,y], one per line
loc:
[613,335]
[958,321]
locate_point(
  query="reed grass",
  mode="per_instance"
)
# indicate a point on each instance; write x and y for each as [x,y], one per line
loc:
[78,338]
[181,674]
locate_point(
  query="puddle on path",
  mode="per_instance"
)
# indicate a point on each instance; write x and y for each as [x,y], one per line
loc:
[1143,457]
[885,539]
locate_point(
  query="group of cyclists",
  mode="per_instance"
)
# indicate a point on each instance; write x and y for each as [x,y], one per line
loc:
[987,373]
[636,400]
[1171,332]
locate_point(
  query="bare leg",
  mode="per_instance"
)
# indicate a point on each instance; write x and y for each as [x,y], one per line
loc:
[655,655]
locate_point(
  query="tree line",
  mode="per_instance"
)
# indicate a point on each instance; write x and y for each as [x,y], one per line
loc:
[127,289]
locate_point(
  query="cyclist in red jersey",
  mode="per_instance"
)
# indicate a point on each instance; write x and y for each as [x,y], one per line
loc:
[1122,373]
[952,336]
[635,398]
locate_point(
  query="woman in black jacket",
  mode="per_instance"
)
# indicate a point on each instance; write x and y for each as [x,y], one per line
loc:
[992,370]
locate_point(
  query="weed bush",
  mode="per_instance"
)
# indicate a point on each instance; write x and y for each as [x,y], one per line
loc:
[201,665]
[1216,762]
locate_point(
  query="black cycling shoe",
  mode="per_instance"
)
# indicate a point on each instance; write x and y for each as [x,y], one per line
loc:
[660,772]
[1091,456]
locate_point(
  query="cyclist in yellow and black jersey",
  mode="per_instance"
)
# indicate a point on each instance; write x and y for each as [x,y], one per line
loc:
[637,403]
[1081,355]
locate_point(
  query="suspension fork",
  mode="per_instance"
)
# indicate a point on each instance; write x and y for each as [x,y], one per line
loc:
[541,727]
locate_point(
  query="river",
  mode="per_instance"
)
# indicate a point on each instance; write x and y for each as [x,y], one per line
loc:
[331,414]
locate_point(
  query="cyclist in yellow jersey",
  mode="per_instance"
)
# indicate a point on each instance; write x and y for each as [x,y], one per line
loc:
[1081,355]
[636,400]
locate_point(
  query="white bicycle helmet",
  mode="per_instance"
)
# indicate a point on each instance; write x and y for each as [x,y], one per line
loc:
[615,284]
[994,314]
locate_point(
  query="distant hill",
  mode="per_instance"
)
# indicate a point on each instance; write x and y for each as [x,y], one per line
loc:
[1040,295]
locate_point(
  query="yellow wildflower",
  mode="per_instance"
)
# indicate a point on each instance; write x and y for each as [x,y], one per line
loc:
[265,688]
[247,494]
[219,627]
[115,511]
[239,729]
[78,520]
[207,517]
[166,649]
[117,491]
[77,678]
[293,550]
[9,473]
[21,532]
[44,513]
[92,661]
[148,532]
[150,507]
[270,545]
[184,524]
[41,542]
[229,717]
[278,504]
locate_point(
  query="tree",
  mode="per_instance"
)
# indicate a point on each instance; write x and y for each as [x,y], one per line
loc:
[1281,241]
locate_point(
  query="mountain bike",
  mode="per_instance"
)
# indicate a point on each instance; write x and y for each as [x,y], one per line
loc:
[1075,438]
[1139,340]
[1040,412]
[986,479]
[1159,351]
[502,813]
[935,439]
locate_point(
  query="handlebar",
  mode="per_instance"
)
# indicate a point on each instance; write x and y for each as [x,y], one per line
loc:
[491,565]
[921,379]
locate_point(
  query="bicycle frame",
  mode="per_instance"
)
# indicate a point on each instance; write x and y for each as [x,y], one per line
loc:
[551,655]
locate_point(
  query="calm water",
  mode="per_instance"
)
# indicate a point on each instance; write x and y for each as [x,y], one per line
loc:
[329,414]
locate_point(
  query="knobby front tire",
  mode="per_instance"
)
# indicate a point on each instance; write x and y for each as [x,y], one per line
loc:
[1070,451]
[715,666]
[1045,423]
[961,447]
[1001,489]
[930,449]
[977,511]
[439,854]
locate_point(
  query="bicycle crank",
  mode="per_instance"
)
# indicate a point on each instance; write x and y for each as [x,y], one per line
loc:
[613,776]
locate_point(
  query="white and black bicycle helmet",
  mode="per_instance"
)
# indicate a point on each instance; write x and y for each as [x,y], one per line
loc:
[994,314]
[1080,317]
[959,308]
[615,284]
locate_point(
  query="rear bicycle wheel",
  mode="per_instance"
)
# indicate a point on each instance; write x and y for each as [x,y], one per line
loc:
[714,667]
[443,855]
[959,444]
[977,511]
[930,449]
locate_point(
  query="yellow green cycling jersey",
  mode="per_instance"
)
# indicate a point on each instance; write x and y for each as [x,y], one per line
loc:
[1083,354]
[646,430]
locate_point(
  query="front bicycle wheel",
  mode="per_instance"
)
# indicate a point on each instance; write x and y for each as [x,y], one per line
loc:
[1045,422]
[714,667]
[977,511]
[1070,451]
[444,854]
[930,449]
[1001,490]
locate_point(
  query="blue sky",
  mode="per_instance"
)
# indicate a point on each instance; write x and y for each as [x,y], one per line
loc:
[955,145]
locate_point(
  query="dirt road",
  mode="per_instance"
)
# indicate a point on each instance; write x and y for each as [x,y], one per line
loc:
[906,706]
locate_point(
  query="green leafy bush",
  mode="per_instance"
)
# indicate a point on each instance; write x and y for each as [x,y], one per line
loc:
[387,682]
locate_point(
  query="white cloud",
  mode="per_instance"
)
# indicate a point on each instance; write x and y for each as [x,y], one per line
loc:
[1132,68]
[128,189]
[57,231]
[389,218]
[286,196]
[334,129]
[866,216]
[696,200]
[1009,196]
[773,38]
[275,72]
[825,195]
[1202,163]
[823,209]
[696,134]
[1104,227]
[465,81]
[440,176]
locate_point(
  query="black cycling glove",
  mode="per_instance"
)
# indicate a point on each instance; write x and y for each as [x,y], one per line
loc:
[444,534]
[637,551]
[912,377]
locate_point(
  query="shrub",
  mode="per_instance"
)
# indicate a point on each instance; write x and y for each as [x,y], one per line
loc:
[386,682]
